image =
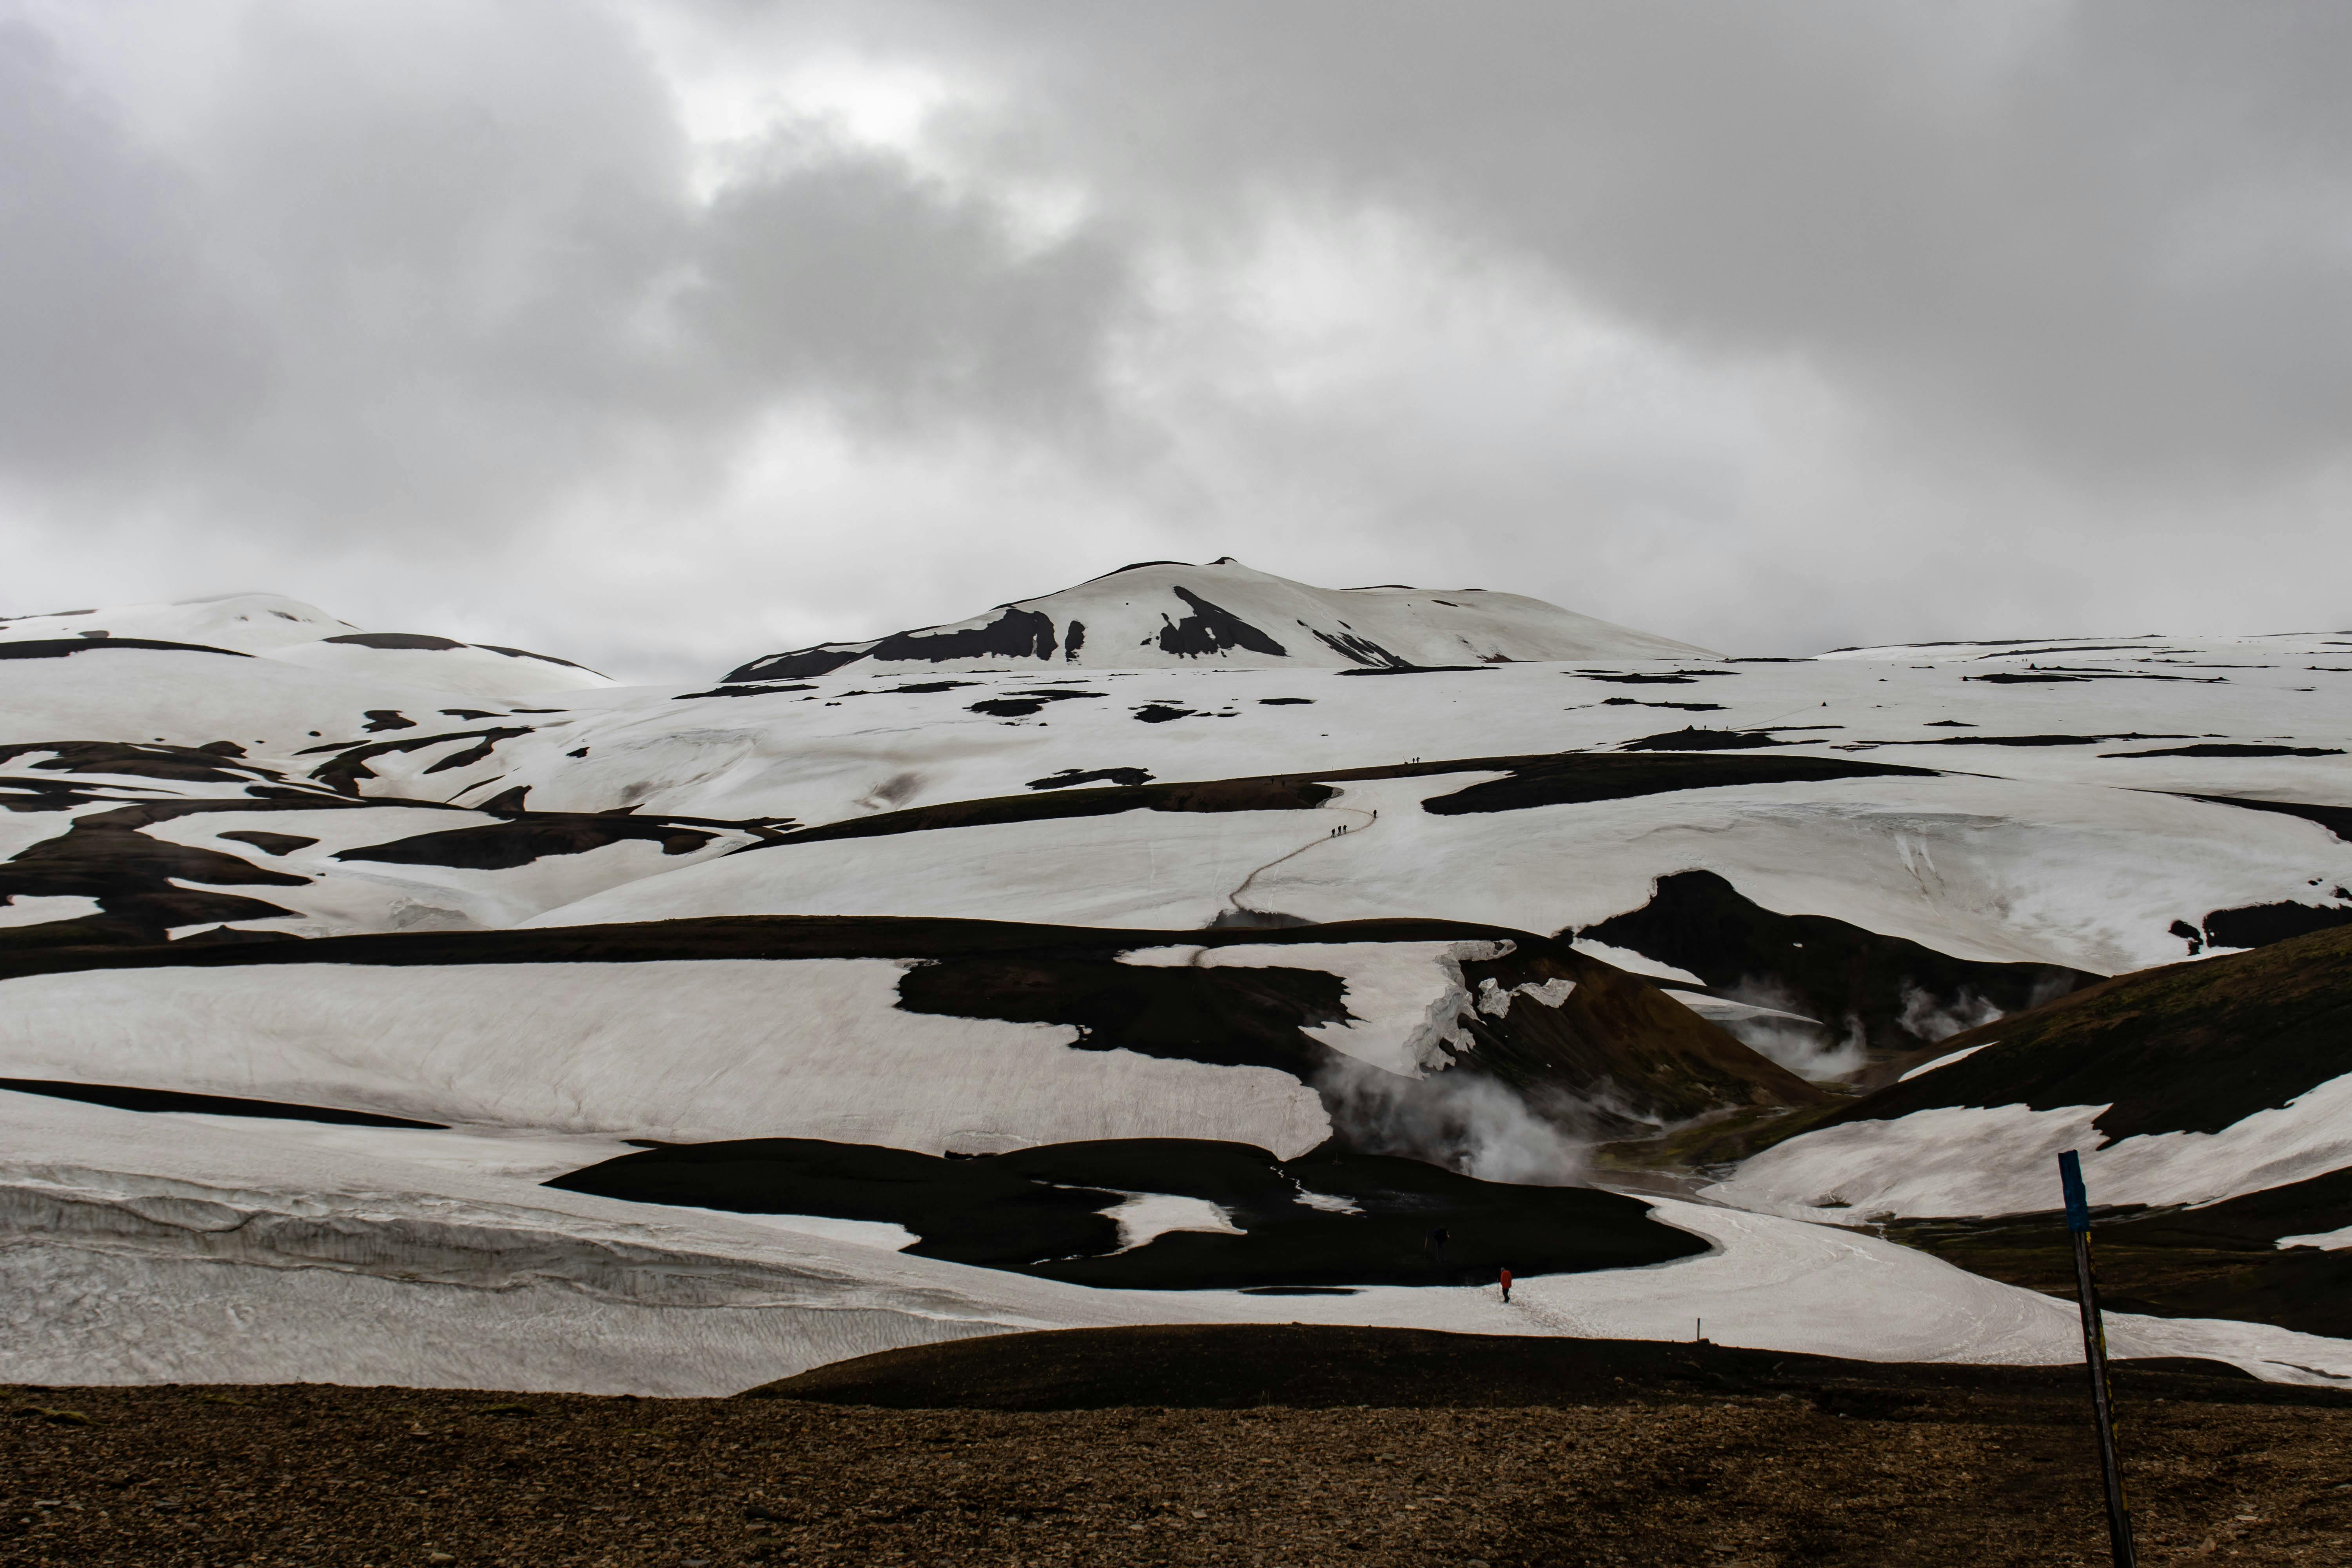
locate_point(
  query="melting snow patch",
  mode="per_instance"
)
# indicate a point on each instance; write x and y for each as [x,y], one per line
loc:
[1329,1202]
[1944,1061]
[1633,963]
[1496,1002]
[1144,1217]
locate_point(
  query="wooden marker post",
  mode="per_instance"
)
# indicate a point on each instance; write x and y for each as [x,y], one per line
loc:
[2095,1352]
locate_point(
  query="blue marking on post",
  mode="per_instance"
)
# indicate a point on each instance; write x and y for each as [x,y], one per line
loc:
[2078,1203]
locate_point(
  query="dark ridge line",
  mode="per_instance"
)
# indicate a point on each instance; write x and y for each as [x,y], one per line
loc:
[1691,738]
[1217,794]
[1963,642]
[1127,778]
[739,691]
[2235,749]
[1585,778]
[123,1097]
[1130,566]
[2023,740]
[1679,706]
[63,647]
[2070,647]
[1402,669]
[2051,677]
[425,641]
[743,938]
[542,658]
[1300,1366]
[527,838]
[2337,819]
[1288,792]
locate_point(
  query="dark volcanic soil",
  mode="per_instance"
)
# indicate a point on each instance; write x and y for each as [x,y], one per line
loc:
[1877,1466]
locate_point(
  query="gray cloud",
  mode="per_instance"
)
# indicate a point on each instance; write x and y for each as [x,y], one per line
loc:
[1773,327]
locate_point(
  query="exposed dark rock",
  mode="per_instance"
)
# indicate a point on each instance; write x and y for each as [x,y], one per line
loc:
[739,691]
[2231,749]
[503,845]
[1036,1211]
[1693,739]
[1577,778]
[1401,668]
[1068,777]
[1210,629]
[1027,702]
[343,772]
[2216,1260]
[1015,634]
[2258,925]
[185,764]
[797,666]
[421,641]
[2189,1047]
[1822,968]
[135,880]
[1363,650]
[123,1097]
[526,653]
[62,647]
[1222,794]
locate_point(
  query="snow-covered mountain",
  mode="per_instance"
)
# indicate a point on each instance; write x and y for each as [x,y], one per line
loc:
[1162,615]
[320,950]
[265,625]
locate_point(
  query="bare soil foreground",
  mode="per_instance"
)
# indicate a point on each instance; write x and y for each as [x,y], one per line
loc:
[1145,1447]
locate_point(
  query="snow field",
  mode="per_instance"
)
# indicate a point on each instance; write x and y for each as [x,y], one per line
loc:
[682,1051]
[1965,1160]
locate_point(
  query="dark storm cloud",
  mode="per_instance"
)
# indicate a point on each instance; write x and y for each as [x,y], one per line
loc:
[1762,324]
[2123,232]
[425,269]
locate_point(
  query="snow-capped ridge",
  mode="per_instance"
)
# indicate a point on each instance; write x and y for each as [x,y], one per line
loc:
[1155,614]
[271,626]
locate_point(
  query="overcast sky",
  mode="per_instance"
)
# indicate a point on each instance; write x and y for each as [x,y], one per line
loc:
[659,335]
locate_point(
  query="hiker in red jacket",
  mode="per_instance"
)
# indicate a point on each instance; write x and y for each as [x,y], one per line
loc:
[1506,1284]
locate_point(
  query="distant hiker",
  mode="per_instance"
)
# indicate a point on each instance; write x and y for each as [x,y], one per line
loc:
[1506,1284]
[1436,1239]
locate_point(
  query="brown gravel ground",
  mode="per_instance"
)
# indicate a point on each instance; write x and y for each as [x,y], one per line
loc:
[1649,1475]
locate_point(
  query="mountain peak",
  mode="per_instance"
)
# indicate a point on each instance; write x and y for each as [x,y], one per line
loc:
[1156,615]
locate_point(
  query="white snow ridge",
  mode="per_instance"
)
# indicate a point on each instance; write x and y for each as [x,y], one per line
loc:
[383,1006]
